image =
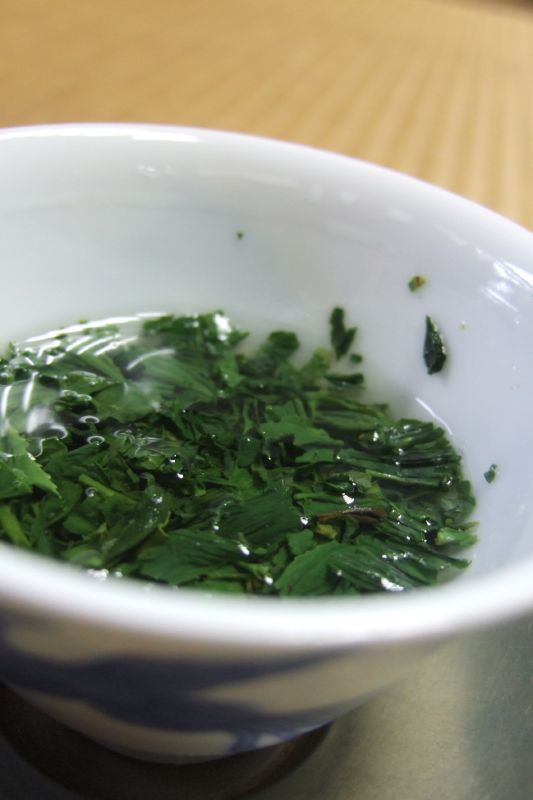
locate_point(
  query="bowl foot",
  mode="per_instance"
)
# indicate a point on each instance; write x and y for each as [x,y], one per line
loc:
[81,765]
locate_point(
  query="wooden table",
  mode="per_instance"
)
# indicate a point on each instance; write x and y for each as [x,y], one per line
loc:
[440,89]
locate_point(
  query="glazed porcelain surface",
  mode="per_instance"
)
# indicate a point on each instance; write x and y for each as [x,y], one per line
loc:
[100,221]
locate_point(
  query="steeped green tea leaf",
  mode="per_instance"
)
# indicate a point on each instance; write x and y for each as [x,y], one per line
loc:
[434,349]
[168,453]
[341,336]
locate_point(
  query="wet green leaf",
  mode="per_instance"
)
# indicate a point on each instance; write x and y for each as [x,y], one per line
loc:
[172,456]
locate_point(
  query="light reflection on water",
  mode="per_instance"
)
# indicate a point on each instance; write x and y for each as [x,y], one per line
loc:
[433,414]
[27,405]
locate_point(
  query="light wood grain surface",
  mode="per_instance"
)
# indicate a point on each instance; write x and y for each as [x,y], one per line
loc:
[440,89]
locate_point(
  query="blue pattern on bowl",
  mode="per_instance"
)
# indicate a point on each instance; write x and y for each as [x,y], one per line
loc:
[164,693]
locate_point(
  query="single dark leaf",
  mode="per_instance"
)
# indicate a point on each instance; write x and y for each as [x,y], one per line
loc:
[19,471]
[189,554]
[491,473]
[345,381]
[416,282]
[261,520]
[341,336]
[309,573]
[434,349]
[126,402]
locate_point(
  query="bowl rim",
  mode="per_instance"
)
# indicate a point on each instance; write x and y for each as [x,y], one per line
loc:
[34,585]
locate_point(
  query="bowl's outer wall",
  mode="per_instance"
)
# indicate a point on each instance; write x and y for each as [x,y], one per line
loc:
[187,702]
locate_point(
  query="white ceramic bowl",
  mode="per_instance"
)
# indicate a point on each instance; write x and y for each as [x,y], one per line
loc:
[105,220]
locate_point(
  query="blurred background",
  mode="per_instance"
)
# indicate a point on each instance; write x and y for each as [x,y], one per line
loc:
[440,89]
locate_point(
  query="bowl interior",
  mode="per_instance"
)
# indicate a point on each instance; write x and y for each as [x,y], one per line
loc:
[100,221]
